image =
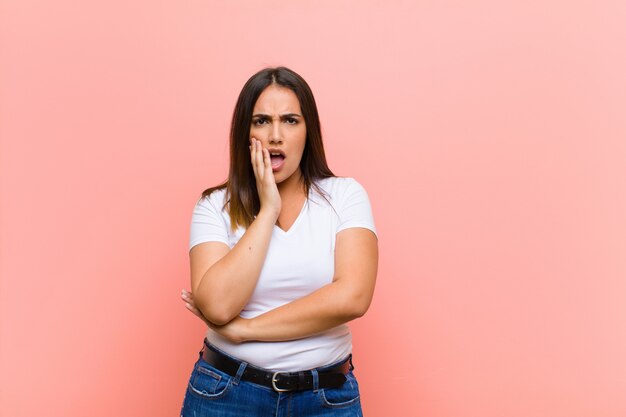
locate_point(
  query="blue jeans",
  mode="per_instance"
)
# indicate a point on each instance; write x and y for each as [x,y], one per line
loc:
[213,393]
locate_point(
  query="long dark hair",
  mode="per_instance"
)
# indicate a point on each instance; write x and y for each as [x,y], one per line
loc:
[241,194]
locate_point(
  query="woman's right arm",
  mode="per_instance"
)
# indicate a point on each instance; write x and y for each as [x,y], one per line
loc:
[223,279]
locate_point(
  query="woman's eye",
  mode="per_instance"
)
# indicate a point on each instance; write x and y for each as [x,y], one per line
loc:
[259,122]
[292,121]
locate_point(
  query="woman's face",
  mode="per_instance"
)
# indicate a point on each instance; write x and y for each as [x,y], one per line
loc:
[278,123]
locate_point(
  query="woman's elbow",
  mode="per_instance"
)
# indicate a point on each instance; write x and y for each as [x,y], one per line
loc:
[358,306]
[215,313]
[354,300]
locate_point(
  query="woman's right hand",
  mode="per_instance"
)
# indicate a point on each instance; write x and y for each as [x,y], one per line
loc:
[265,182]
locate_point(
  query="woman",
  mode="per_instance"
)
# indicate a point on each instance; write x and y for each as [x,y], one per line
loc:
[283,255]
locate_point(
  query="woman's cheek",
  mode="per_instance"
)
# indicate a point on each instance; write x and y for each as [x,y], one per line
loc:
[257,132]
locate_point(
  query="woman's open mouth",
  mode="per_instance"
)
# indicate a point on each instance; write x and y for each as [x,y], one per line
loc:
[278,159]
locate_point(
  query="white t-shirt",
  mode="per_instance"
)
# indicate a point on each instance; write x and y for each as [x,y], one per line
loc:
[298,262]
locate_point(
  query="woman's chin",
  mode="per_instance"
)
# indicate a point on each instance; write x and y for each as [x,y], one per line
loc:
[279,177]
[283,176]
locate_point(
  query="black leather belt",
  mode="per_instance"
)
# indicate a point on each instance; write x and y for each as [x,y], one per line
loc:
[279,381]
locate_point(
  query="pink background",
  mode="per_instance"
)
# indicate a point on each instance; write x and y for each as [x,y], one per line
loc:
[490,135]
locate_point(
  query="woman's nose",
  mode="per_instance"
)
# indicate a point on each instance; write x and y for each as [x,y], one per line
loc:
[275,134]
[275,141]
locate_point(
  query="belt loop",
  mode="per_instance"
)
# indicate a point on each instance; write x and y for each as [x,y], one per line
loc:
[316,380]
[242,367]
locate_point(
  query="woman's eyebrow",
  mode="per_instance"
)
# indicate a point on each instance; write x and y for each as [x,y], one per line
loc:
[282,115]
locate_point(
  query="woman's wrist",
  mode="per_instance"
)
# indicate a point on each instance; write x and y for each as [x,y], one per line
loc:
[268,215]
[246,330]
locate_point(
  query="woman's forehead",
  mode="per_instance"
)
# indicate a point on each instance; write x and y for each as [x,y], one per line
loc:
[277,99]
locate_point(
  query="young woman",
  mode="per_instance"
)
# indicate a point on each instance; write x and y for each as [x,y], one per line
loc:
[283,255]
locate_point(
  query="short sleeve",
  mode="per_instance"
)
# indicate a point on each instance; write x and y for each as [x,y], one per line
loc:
[207,224]
[355,209]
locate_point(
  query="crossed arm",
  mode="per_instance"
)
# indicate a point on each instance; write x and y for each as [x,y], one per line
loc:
[347,297]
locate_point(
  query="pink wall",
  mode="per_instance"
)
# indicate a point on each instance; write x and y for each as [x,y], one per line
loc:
[491,138]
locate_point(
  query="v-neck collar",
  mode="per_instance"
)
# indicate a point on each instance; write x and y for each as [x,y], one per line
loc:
[295,223]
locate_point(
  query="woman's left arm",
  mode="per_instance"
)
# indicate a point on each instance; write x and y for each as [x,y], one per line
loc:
[346,298]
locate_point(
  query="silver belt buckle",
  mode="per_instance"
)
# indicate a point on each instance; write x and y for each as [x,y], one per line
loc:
[275,380]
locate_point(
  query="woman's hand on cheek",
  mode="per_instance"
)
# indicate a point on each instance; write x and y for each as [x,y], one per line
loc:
[265,182]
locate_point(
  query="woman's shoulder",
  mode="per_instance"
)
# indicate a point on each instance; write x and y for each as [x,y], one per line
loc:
[216,199]
[338,186]
[335,183]
[337,190]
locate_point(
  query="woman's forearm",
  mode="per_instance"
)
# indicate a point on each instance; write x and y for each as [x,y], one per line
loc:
[328,307]
[346,298]
[227,285]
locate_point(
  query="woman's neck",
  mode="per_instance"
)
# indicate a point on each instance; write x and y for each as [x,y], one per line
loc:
[292,186]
